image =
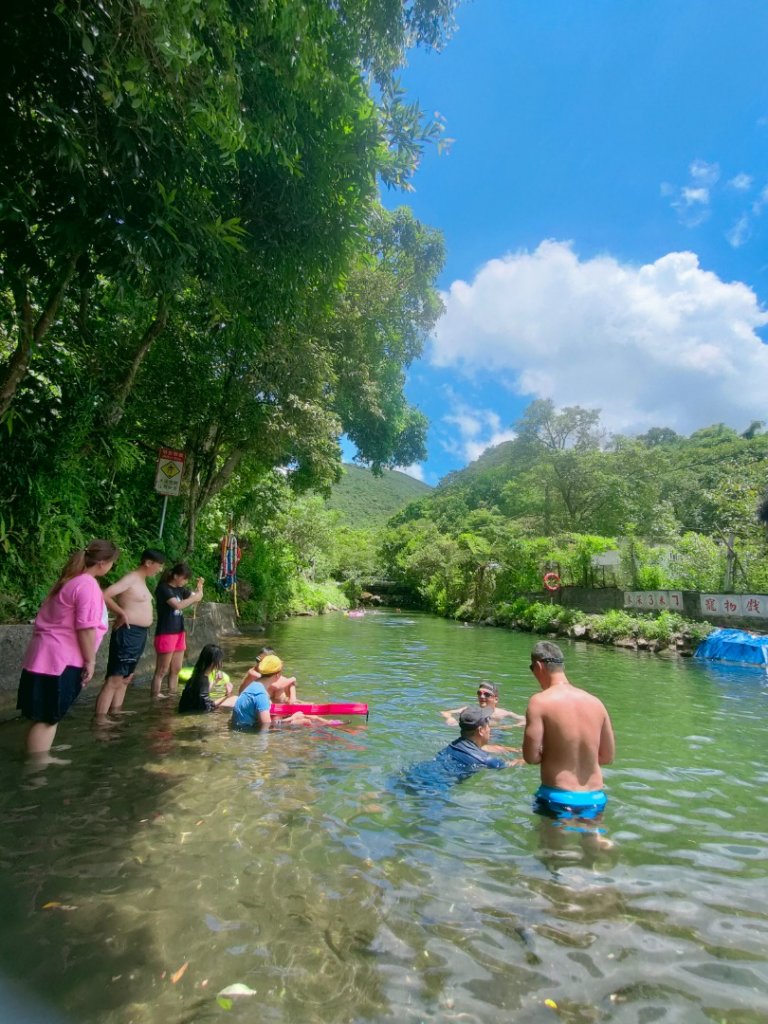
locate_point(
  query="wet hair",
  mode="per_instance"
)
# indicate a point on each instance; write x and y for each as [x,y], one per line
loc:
[210,659]
[548,653]
[95,552]
[152,555]
[179,569]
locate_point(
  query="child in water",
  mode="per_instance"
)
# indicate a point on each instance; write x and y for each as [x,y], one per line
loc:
[281,689]
[207,687]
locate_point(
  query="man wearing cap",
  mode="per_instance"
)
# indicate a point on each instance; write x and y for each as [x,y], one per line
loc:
[568,733]
[459,759]
[487,697]
[252,705]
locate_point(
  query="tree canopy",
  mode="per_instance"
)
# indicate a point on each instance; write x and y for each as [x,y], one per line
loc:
[193,251]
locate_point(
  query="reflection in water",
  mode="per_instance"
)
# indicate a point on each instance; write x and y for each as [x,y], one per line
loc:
[180,858]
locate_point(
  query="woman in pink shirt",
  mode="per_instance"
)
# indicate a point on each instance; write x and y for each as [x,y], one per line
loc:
[61,656]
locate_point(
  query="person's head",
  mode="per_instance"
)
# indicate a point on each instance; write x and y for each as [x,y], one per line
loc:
[487,695]
[270,665]
[210,659]
[547,659]
[152,561]
[263,654]
[177,575]
[97,558]
[475,724]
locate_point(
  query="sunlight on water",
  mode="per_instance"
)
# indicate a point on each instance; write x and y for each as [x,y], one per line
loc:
[177,858]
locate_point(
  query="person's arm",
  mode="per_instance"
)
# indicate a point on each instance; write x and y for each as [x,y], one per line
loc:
[250,676]
[86,639]
[517,720]
[607,749]
[283,684]
[194,598]
[533,738]
[109,596]
[497,748]
[228,688]
[452,717]
[265,719]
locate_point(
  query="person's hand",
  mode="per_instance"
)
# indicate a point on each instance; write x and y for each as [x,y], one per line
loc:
[119,620]
[518,761]
[200,582]
[228,688]
[88,669]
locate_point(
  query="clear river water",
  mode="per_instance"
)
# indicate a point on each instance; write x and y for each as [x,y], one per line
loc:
[173,858]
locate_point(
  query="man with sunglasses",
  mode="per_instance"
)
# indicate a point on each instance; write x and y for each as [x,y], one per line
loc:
[487,697]
[568,733]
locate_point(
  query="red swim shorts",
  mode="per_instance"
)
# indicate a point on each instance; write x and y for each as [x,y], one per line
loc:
[166,643]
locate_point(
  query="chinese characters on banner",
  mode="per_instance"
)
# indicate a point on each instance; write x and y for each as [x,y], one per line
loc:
[654,600]
[745,605]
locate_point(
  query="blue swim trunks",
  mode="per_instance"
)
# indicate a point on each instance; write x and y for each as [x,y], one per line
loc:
[566,803]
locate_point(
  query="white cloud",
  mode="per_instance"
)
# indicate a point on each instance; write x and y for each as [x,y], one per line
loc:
[692,201]
[692,196]
[741,182]
[416,470]
[739,233]
[761,202]
[474,449]
[665,344]
[704,173]
[478,429]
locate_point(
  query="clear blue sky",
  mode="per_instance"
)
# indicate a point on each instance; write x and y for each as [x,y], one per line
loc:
[605,210]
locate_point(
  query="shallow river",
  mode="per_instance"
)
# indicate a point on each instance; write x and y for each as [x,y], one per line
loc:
[174,858]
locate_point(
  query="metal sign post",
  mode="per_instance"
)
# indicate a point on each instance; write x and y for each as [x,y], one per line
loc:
[170,469]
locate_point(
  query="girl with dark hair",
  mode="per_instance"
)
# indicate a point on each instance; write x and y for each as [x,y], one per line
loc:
[61,656]
[196,695]
[172,597]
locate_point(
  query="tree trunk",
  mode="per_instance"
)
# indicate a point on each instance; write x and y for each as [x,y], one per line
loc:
[153,331]
[29,334]
[199,495]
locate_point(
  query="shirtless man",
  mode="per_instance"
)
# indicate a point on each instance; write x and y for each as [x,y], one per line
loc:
[569,734]
[487,697]
[131,601]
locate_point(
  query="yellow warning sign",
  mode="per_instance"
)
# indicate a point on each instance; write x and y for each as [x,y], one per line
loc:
[170,468]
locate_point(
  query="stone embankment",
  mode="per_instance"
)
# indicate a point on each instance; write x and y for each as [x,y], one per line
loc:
[682,643]
[213,622]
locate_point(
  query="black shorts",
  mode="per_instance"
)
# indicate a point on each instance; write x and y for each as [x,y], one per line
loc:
[126,646]
[44,698]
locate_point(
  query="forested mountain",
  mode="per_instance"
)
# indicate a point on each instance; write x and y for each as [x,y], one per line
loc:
[563,473]
[564,490]
[366,501]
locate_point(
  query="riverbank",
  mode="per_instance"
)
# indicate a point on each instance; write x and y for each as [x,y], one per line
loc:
[666,631]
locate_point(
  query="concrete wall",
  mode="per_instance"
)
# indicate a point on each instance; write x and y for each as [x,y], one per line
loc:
[599,600]
[213,621]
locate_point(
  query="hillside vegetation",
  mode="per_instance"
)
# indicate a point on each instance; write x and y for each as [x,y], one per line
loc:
[366,501]
[683,513]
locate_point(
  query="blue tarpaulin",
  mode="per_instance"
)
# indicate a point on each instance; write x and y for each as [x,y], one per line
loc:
[736,645]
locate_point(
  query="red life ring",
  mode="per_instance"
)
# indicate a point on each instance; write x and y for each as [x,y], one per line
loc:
[551,581]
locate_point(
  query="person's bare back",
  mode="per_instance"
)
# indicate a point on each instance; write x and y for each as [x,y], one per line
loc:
[568,731]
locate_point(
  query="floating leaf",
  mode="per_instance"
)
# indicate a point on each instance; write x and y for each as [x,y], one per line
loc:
[232,991]
[225,1004]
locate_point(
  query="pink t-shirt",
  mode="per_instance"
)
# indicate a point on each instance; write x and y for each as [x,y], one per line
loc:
[78,605]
